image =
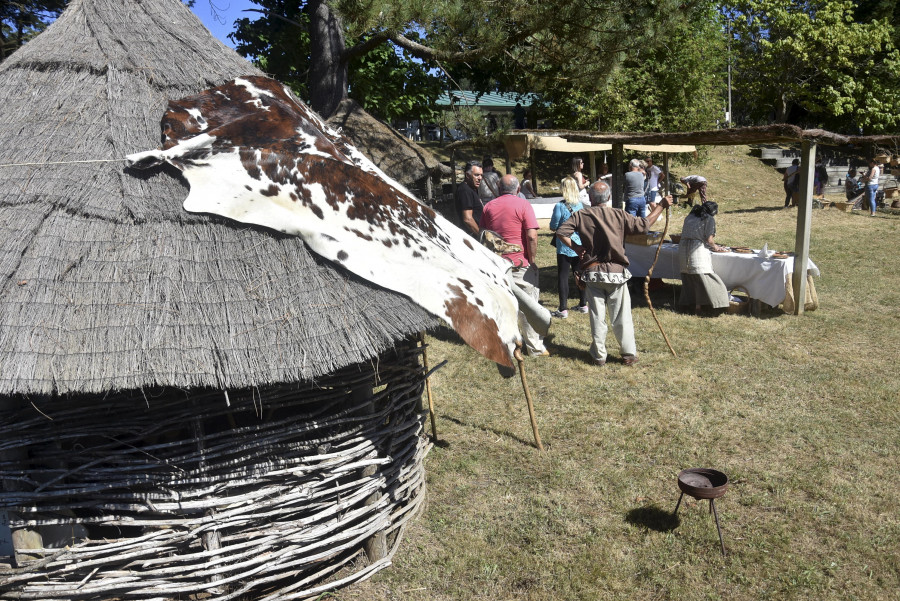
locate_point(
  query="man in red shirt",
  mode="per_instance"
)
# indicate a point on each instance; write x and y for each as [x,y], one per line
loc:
[512,217]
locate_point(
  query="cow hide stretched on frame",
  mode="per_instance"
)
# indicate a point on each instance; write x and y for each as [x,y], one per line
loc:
[253,153]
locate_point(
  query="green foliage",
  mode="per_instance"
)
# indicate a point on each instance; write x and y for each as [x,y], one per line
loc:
[21,20]
[277,42]
[386,81]
[547,47]
[677,84]
[389,83]
[813,63]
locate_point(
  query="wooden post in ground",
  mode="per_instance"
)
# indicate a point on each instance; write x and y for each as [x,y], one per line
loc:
[534,180]
[375,546]
[618,184]
[668,188]
[804,224]
[528,401]
[592,159]
[428,385]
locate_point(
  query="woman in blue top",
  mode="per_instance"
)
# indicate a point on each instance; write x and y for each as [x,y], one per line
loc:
[566,258]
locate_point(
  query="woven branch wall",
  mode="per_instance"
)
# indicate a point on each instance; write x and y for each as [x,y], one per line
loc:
[262,494]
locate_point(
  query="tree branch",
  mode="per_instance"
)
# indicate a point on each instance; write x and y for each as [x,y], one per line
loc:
[415,48]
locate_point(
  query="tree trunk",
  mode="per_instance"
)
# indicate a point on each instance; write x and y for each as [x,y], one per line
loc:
[781,109]
[328,69]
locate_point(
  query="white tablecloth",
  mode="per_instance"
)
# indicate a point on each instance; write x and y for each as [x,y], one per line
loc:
[763,278]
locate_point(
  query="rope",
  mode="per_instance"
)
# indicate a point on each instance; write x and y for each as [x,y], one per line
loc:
[62,163]
[647,284]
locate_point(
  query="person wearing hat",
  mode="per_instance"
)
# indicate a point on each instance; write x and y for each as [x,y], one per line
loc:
[695,183]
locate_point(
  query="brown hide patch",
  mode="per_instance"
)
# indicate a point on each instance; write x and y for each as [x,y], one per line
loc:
[479,331]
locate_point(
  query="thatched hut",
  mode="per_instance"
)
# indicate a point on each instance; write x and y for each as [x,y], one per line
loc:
[187,405]
[407,162]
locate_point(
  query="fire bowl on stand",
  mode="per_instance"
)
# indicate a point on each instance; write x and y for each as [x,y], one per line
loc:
[703,483]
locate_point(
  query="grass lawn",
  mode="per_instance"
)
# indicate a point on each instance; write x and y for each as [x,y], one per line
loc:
[802,413]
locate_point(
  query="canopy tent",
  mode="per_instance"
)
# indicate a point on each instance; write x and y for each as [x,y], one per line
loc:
[521,145]
[764,134]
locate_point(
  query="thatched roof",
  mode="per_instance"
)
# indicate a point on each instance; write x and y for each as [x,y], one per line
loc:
[391,151]
[108,283]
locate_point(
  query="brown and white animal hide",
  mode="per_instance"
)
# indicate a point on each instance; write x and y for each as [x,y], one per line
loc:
[253,153]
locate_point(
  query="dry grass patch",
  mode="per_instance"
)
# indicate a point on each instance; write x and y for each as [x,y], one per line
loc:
[800,412]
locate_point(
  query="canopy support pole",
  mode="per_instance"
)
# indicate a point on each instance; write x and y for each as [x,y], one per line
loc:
[667,190]
[592,158]
[618,187]
[804,225]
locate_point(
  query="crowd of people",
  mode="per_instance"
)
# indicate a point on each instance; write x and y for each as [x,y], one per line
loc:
[589,238]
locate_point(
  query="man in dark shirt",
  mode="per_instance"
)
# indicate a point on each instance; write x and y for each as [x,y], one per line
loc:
[603,263]
[468,203]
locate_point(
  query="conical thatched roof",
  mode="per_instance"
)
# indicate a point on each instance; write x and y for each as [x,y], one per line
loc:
[391,151]
[109,284]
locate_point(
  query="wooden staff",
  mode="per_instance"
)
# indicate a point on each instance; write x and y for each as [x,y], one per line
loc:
[428,386]
[647,284]
[534,428]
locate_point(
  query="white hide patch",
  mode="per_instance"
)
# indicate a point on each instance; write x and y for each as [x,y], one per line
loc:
[279,167]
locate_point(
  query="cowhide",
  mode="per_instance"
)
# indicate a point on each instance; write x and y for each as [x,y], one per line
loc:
[253,153]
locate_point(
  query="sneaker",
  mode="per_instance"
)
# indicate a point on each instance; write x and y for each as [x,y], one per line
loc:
[560,314]
[598,362]
[582,308]
[629,359]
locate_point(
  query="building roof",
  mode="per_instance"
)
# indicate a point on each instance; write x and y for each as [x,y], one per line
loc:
[501,100]
[108,283]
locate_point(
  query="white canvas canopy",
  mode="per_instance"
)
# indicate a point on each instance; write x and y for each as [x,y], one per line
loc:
[520,145]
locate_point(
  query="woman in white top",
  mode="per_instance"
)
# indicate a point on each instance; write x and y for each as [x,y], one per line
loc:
[527,189]
[699,283]
[871,179]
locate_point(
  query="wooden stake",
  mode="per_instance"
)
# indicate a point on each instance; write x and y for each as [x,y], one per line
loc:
[647,284]
[534,428]
[428,386]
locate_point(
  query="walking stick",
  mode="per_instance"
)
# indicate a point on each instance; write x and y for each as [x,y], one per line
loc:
[428,386]
[647,284]
[534,428]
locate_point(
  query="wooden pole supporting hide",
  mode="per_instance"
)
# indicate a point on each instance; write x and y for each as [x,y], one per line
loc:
[618,184]
[428,386]
[592,159]
[804,224]
[534,180]
[534,428]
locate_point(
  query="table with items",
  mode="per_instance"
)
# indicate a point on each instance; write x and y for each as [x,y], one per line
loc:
[767,276]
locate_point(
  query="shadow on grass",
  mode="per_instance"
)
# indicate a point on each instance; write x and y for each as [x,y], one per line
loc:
[504,433]
[755,210]
[653,517]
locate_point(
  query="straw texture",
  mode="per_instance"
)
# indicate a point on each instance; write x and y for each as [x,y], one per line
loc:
[108,284]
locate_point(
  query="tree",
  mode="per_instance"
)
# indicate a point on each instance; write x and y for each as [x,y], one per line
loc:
[676,85]
[386,80]
[546,46]
[21,20]
[813,64]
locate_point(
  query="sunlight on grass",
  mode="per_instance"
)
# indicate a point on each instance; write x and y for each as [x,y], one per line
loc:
[802,413]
